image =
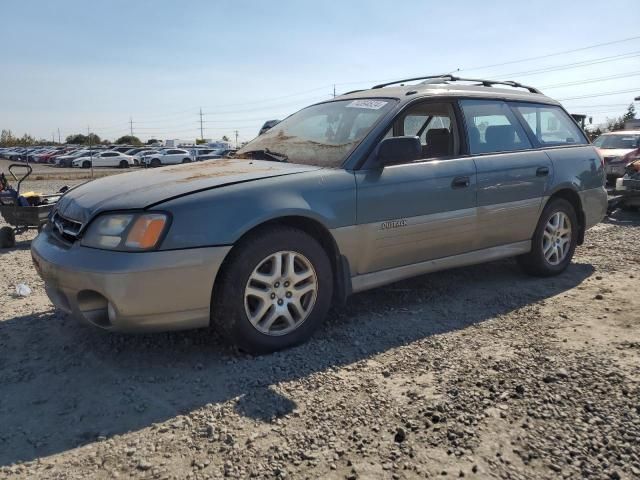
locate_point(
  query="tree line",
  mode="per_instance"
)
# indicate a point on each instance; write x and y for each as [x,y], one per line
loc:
[8,139]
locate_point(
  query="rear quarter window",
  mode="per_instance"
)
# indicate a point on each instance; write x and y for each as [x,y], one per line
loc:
[550,125]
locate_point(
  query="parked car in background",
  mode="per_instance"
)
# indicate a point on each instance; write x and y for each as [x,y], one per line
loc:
[627,191]
[134,151]
[109,158]
[269,124]
[346,195]
[67,160]
[121,148]
[168,156]
[218,154]
[138,158]
[201,154]
[14,154]
[618,150]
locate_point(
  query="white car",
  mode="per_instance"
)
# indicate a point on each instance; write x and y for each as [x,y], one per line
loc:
[168,156]
[105,159]
[139,158]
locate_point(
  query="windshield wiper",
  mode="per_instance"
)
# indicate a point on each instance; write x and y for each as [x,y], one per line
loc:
[275,156]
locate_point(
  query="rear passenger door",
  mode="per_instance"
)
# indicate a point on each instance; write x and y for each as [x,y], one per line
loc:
[172,156]
[513,178]
[423,210]
[105,159]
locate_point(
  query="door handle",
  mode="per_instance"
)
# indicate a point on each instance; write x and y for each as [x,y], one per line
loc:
[542,171]
[460,182]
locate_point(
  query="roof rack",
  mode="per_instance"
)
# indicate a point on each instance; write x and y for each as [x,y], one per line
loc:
[452,78]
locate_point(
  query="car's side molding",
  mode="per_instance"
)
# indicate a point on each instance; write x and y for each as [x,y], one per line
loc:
[383,277]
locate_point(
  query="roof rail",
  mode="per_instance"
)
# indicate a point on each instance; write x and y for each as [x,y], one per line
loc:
[452,78]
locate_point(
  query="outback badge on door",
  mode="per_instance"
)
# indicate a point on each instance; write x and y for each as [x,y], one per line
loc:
[394,224]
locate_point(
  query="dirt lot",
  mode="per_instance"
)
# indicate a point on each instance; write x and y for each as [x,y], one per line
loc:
[476,372]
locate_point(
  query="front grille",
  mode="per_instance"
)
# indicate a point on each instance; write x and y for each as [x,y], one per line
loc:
[68,229]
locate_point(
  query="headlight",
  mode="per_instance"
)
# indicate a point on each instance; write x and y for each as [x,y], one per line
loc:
[132,232]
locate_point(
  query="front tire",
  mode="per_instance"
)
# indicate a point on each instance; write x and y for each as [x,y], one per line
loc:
[274,291]
[186,160]
[124,164]
[554,240]
[155,163]
[86,164]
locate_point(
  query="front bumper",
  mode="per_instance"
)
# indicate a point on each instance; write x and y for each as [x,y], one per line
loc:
[150,291]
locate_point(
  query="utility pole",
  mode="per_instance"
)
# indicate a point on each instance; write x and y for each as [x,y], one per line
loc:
[334,90]
[201,131]
[236,138]
[90,152]
[131,125]
[59,136]
[53,138]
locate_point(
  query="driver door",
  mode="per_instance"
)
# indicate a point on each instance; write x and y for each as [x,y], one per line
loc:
[422,210]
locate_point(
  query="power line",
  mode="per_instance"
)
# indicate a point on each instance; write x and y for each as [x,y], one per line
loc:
[603,106]
[266,100]
[600,94]
[611,58]
[564,52]
[296,102]
[523,73]
[592,80]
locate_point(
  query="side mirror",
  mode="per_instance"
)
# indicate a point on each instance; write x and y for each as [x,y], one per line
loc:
[398,150]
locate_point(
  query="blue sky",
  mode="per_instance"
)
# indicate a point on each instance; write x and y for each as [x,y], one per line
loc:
[68,64]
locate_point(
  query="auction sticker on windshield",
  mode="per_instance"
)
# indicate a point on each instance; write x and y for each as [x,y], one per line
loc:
[370,104]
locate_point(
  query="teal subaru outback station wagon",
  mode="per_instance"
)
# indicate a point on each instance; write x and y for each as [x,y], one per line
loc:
[368,188]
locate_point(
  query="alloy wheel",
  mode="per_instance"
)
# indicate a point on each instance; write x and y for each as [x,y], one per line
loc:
[556,238]
[281,293]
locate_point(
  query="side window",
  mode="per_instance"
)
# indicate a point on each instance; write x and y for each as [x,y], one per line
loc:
[550,125]
[434,124]
[492,127]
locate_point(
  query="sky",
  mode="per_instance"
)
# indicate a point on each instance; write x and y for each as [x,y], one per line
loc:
[72,65]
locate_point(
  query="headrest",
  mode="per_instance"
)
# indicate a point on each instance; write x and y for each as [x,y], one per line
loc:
[503,135]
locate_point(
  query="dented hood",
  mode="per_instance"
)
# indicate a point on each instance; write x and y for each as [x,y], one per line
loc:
[148,187]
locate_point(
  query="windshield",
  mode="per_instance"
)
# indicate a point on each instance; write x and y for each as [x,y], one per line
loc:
[618,141]
[322,135]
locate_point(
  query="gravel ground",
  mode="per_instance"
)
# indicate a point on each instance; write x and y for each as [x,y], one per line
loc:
[475,372]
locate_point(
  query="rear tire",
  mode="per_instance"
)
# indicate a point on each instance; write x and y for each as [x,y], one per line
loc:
[289,317]
[551,250]
[7,237]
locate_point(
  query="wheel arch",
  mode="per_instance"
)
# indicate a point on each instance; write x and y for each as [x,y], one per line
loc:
[572,196]
[314,228]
